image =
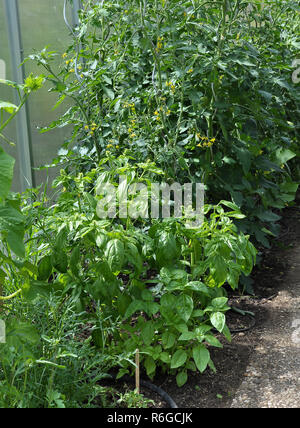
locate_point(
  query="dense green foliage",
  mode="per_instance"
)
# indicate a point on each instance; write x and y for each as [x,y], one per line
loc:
[204,88]
[162,91]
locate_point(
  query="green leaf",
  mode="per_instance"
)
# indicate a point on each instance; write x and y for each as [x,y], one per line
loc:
[133,257]
[150,366]
[201,357]
[135,305]
[59,261]
[6,173]
[244,156]
[20,333]
[109,92]
[12,222]
[151,308]
[74,260]
[284,155]
[187,335]
[114,253]
[147,295]
[15,241]
[219,302]
[61,239]
[184,306]
[99,290]
[181,378]
[34,289]
[166,249]
[197,286]
[218,269]
[147,332]
[229,205]
[9,107]
[226,333]
[123,303]
[168,339]
[213,341]
[44,268]
[178,359]
[218,320]
[165,357]
[168,303]
[268,216]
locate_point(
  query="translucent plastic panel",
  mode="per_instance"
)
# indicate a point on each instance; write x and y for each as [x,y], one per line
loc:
[7,94]
[42,24]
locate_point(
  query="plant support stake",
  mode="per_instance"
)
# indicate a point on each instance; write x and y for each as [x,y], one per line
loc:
[137,371]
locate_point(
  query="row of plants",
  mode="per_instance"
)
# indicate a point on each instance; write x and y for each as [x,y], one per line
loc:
[204,89]
[173,91]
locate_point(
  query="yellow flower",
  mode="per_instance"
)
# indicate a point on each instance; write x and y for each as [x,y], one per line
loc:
[72,70]
[64,55]
[133,135]
[117,147]
[190,70]
[159,46]
[68,62]
[108,146]
[156,113]
[212,140]
[86,127]
[168,112]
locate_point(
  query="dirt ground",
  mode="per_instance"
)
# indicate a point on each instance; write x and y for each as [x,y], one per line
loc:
[261,366]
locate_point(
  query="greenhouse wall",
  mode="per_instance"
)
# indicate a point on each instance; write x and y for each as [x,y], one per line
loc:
[39,24]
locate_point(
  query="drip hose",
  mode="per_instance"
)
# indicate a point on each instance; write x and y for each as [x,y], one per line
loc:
[243,313]
[159,391]
[156,389]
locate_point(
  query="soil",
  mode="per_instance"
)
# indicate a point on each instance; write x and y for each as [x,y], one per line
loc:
[261,366]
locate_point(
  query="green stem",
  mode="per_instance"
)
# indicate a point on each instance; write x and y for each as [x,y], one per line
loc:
[4,125]
[11,296]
